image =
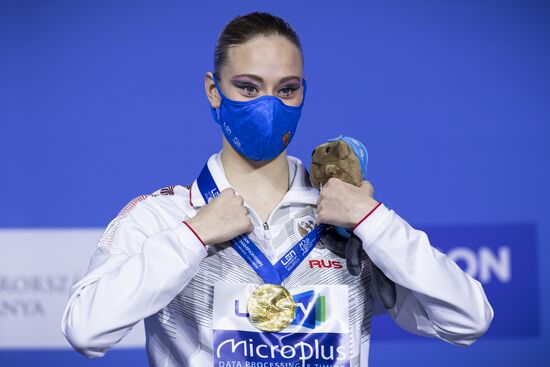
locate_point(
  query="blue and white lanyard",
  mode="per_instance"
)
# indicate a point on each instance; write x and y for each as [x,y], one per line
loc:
[270,273]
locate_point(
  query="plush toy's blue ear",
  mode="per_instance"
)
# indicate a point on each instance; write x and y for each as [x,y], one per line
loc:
[360,152]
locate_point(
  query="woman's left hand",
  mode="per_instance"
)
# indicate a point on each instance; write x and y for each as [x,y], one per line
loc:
[343,204]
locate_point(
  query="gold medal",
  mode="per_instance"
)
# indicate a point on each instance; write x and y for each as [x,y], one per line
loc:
[271,307]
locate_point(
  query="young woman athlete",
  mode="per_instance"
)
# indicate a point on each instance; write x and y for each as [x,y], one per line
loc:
[170,258]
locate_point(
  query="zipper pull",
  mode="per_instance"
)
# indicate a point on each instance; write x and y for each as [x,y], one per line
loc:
[267,234]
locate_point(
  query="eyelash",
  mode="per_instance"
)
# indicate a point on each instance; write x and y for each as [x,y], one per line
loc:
[243,88]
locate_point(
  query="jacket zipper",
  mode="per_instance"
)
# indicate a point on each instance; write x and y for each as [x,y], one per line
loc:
[265,225]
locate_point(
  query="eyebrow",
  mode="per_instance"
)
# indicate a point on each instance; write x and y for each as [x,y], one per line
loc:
[260,79]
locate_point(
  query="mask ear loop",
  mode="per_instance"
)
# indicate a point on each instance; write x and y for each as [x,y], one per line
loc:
[304,84]
[218,87]
[215,112]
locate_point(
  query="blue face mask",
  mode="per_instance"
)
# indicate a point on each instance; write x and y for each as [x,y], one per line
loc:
[259,129]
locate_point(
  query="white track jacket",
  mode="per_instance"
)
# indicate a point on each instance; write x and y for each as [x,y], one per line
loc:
[150,266]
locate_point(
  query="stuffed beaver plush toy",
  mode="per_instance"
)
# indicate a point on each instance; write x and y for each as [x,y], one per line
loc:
[346,159]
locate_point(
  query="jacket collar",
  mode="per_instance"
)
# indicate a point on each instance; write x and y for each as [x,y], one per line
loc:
[300,190]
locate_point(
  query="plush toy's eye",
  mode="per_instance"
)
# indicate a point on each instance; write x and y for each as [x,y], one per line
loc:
[327,149]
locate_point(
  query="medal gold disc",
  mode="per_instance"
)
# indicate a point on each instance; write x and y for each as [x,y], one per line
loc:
[271,307]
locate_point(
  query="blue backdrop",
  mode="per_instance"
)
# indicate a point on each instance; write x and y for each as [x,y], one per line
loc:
[102,101]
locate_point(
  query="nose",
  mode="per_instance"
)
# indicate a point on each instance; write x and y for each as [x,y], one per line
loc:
[331,169]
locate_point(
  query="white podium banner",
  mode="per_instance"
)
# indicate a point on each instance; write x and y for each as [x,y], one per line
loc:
[37,269]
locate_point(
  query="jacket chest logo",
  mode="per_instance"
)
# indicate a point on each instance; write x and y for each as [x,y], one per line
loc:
[325,264]
[305,224]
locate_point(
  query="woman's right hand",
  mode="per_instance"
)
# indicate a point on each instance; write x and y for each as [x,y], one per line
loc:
[222,219]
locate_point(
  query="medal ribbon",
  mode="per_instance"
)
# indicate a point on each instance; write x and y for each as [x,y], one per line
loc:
[270,273]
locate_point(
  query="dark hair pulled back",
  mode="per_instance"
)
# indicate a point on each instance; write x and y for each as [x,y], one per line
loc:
[245,28]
